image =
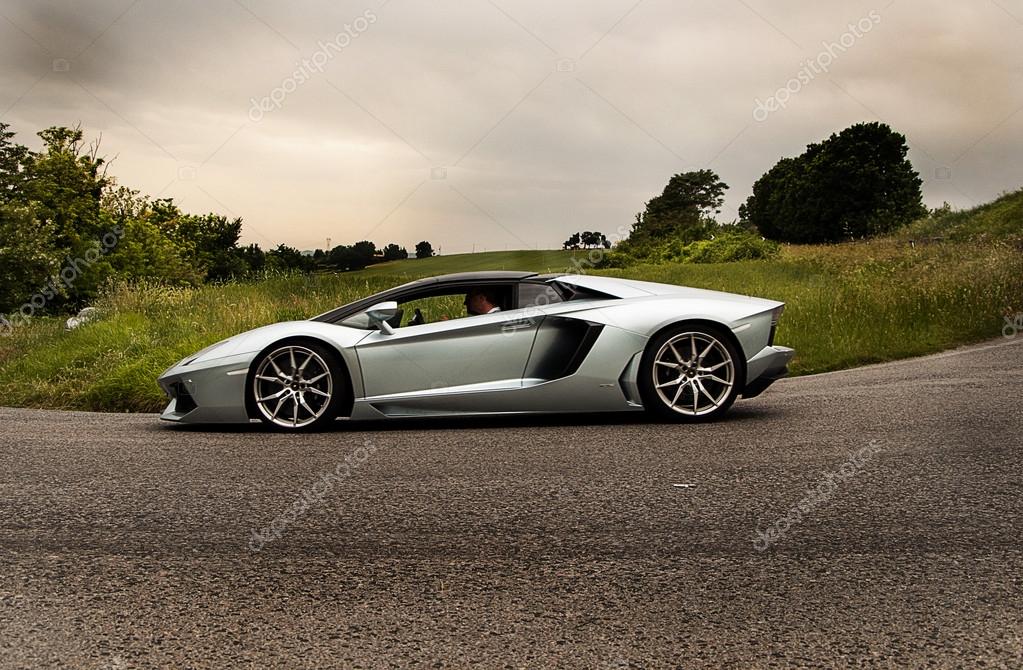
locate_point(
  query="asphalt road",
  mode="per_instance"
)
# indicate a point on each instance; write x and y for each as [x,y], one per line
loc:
[128,543]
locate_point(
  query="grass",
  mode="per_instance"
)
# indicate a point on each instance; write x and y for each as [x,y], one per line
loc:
[847,305]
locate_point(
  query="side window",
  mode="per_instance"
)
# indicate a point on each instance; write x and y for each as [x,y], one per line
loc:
[434,308]
[450,303]
[537,295]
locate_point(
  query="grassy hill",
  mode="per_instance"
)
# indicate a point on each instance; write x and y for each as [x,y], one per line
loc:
[1000,219]
[847,304]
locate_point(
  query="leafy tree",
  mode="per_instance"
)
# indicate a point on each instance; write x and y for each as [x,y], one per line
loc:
[254,258]
[365,249]
[166,214]
[424,249]
[587,240]
[64,184]
[355,257]
[12,161]
[288,259]
[28,258]
[684,210]
[123,203]
[136,245]
[392,252]
[857,183]
[211,241]
[143,251]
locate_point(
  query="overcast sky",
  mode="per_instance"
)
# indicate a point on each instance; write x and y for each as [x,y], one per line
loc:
[504,124]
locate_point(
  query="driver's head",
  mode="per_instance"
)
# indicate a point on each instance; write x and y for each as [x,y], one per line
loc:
[480,301]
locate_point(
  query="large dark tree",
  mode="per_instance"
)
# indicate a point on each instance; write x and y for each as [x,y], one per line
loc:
[683,211]
[212,241]
[392,252]
[254,257]
[355,257]
[857,183]
[424,249]
[288,259]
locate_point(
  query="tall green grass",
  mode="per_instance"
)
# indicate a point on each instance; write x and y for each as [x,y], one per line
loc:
[847,305]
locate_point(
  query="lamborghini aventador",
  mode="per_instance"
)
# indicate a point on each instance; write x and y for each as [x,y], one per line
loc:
[549,344]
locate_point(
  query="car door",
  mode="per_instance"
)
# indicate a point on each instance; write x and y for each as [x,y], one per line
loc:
[489,351]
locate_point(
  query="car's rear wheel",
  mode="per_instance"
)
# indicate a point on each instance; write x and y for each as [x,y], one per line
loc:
[690,373]
[297,386]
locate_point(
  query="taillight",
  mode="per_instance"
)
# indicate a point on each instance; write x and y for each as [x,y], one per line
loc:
[775,316]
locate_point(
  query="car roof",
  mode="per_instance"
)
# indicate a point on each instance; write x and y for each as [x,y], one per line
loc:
[478,276]
[485,275]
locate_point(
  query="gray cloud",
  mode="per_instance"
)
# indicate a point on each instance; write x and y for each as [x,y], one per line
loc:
[542,118]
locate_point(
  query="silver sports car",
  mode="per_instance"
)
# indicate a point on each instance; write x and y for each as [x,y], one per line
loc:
[531,344]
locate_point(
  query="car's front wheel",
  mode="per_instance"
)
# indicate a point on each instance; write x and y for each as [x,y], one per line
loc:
[297,386]
[690,373]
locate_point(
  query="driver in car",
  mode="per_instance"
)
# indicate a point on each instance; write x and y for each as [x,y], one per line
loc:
[481,300]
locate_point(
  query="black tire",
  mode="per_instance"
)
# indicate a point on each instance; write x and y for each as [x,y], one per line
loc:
[288,382]
[689,392]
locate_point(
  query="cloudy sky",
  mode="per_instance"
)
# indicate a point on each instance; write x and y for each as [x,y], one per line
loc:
[506,123]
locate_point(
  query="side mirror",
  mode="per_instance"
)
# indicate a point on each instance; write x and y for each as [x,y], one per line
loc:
[380,313]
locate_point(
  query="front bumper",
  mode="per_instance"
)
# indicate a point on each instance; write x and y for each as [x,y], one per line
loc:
[764,369]
[209,392]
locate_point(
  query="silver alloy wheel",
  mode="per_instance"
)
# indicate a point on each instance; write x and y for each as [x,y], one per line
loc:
[693,373]
[293,386]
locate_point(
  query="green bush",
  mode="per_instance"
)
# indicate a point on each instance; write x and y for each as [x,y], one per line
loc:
[727,245]
[738,245]
[615,260]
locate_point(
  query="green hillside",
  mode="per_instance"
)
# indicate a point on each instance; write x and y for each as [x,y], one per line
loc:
[998,219]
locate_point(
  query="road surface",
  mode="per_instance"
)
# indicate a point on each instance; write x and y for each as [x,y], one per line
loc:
[871,517]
